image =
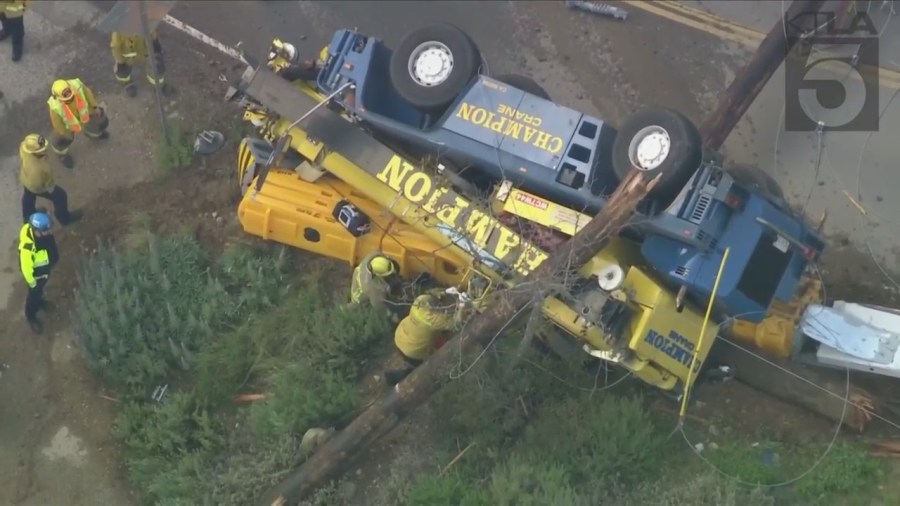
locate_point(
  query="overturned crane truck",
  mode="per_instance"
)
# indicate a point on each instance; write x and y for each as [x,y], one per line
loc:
[343,192]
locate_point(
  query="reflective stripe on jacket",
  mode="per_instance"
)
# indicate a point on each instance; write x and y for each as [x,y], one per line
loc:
[73,121]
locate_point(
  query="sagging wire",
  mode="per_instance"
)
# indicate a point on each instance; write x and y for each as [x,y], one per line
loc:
[592,390]
[820,144]
[795,479]
[846,401]
[453,375]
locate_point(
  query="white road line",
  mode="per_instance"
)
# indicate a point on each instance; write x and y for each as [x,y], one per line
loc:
[206,39]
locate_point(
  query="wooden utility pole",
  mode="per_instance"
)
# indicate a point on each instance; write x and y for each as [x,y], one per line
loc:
[430,376]
[747,84]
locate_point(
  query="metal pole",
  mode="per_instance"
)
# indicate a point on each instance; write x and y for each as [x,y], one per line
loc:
[152,56]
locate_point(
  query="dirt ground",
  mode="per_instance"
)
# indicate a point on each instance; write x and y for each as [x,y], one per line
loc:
[55,436]
[55,442]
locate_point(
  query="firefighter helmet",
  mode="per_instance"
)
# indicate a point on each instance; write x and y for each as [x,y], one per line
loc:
[34,144]
[40,221]
[381,266]
[62,90]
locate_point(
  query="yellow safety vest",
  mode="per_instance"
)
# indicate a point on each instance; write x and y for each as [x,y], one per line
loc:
[30,257]
[74,120]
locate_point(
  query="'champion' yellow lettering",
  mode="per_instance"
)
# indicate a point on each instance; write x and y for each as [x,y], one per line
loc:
[480,227]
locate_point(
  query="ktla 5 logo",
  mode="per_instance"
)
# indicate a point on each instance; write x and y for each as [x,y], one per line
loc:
[831,78]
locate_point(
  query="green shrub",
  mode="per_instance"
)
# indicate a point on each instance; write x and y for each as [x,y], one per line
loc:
[305,352]
[305,395]
[533,482]
[708,488]
[141,313]
[249,467]
[305,327]
[539,440]
[450,490]
[178,153]
[604,441]
[168,446]
[847,469]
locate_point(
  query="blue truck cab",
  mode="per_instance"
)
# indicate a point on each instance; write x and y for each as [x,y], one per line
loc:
[510,133]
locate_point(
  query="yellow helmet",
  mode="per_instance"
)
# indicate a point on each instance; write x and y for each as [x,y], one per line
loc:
[34,144]
[381,266]
[61,89]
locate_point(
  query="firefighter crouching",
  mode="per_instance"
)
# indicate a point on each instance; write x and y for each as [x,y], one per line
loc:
[37,256]
[128,49]
[432,315]
[284,60]
[375,281]
[74,109]
[36,177]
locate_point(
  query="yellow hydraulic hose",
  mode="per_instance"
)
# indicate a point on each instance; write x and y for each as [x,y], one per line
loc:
[688,384]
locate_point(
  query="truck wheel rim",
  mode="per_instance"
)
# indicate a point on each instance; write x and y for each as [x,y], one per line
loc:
[649,148]
[430,63]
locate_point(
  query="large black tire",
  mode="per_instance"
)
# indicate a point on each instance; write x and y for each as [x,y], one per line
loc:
[757,179]
[679,165]
[466,62]
[525,84]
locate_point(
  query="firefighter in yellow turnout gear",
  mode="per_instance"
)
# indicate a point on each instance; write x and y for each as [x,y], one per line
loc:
[128,49]
[432,314]
[37,180]
[73,109]
[375,281]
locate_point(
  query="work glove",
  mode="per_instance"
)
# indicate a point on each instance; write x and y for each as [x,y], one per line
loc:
[33,284]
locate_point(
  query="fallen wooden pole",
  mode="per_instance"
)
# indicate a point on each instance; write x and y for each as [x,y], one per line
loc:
[783,383]
[431,375]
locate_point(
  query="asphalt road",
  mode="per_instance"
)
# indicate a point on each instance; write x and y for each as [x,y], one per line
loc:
[585,61]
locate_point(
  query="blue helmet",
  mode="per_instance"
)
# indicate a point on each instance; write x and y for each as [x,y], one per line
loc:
[40,222]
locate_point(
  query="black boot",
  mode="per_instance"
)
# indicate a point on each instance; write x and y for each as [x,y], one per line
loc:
[67,161]
[16,52]
[71,218]
[36,326]
[131,90]
[396,376]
